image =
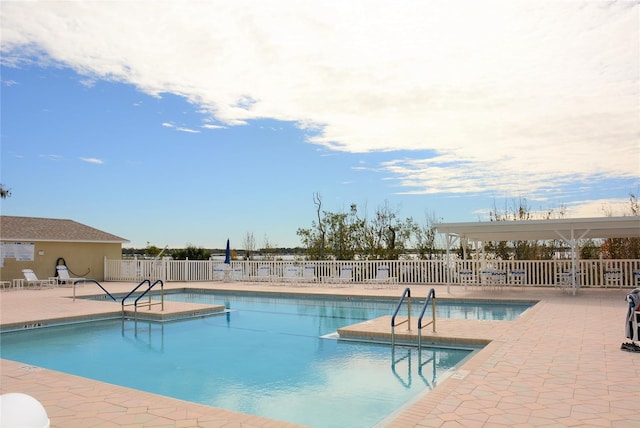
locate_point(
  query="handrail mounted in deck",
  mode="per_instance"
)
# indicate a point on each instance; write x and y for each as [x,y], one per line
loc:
[406,294]
[78,281]
[431,297]
[144,281]
[144,293]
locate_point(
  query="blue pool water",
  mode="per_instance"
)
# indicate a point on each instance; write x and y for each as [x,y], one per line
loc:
[366,308]
[265,357]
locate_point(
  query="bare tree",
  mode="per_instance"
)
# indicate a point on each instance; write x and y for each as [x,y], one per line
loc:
[249,243]
[317,201]
[425,236]
[623,248]
[268,249]
[519,210]
[315,238]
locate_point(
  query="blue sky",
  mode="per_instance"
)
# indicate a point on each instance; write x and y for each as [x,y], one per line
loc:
[187,122]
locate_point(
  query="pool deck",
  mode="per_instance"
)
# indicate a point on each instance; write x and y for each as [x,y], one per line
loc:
[559,364]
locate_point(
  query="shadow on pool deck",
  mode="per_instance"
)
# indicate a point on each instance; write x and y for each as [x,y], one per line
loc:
[559,364]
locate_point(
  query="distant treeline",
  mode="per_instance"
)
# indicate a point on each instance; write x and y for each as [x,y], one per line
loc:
[197,253]
[356,235]
[193,253]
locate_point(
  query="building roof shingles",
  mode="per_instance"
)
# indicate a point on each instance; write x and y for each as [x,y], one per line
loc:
[14,228]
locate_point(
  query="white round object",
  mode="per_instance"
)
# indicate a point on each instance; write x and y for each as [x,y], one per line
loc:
[19,410]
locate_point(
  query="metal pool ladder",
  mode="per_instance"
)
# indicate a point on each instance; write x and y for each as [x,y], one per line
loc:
[405,294]
[149,303]
[431,297]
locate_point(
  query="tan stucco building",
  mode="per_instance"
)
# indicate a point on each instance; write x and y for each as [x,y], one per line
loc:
[43,243]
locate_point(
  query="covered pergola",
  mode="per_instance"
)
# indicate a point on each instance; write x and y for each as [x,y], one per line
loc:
[570,231]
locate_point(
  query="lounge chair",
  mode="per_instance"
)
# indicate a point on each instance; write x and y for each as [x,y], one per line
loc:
[237,273]
[613,277]
[517,277]
[63,275]
[291,274]
[467,277]
[264,274]
[493,278]
[309,274]
[381,280]
[569,280]
[345,279]
[486,277]
[219,272]
[31,279]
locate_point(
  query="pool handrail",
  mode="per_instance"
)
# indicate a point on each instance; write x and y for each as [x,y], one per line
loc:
[78,281]
[133,291]
[144,293]
[148,289]
[431,297]
[406,293]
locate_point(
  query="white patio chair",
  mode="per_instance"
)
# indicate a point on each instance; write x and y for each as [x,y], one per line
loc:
[517,277]
[563,279]
[346,277]
[613,277]
[493,278]
[31,279]
[467,277]
[569,280]
[499,278]
[486,277]
[382,279]
[237,273]
[63,275]
[219,272]
[308,274]
[264,274]
[291,274]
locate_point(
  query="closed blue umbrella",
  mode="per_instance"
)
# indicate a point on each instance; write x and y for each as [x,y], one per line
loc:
[227,254]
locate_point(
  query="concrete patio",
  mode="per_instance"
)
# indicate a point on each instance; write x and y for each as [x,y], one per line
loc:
[559,364]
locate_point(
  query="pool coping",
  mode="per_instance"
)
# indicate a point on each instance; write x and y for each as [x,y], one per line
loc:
[173,312]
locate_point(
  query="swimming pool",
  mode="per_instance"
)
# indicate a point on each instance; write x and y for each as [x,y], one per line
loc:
[266,356]
[373,306]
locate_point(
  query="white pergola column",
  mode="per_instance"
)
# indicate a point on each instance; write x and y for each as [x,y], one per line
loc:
[572,242]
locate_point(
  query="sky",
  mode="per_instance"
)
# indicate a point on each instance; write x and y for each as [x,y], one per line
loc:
[176,123]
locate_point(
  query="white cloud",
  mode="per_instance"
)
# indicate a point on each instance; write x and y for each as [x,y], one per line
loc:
[180,128]
[92,160]
[599,208]
[188,130]
[209,126]
[510,95]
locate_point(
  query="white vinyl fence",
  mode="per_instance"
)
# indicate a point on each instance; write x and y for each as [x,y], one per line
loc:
[589,273]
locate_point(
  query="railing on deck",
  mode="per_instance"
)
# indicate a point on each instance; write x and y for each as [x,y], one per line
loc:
[591,273]
[405,295]
[149,303]
[83,281]
[431,297]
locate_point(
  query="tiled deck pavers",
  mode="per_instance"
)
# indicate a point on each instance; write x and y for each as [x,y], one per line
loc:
[560,364]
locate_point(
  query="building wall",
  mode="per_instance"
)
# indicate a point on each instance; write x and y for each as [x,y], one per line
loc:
[84,260]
